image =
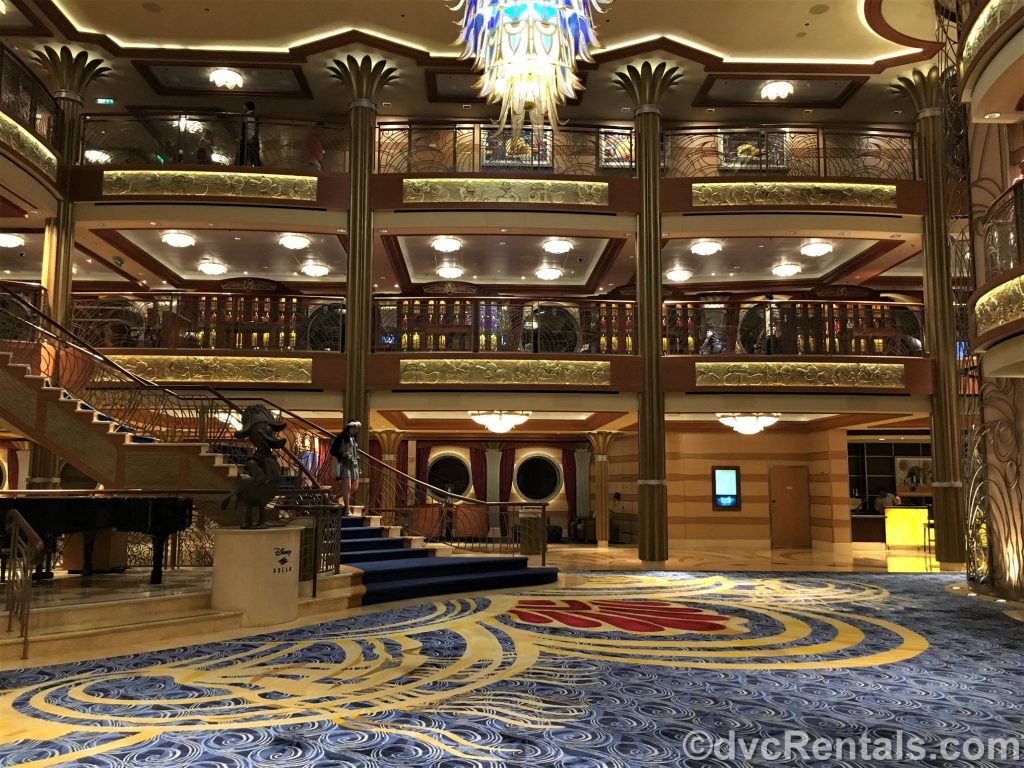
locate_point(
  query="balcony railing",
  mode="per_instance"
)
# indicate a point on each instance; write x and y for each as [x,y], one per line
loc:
[214,321]
[216,140]
[25,100]
[782,151]
[591,326]
[446,148]
[1004,233]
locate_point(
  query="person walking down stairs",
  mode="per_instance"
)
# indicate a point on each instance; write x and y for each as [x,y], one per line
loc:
[345,450]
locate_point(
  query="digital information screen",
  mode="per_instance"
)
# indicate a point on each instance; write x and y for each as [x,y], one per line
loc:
[725,488]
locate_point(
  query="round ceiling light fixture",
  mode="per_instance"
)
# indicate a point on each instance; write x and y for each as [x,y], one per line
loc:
[816,248]
[212,267]
[748,423]
[315,269]
[549,273]
[178,239]
[705,247]
[993,115]
[678,275]
[293,242]
[450,271]
[557,246]
[11,241]
[776,89]
[226,78]
[97,156]
[499,421]
[446,244]
[787,270]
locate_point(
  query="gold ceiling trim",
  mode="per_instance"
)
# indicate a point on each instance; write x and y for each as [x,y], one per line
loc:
[987,25]
[799,373]
[209,184]
[541,192]
[219,368]
[759,193]
[1003,304]
[18,138]
[586,373]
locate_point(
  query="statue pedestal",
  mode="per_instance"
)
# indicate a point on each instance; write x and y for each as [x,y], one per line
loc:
[257,572]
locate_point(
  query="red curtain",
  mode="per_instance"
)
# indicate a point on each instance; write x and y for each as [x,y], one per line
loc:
[478,471]
[324,461]
[422,460]
[508,463]
[569,473]
[12,467]
[402,457]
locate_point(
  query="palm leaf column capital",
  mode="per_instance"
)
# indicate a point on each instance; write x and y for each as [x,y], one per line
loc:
[363,77]
[926,88]
[71,73]
[647,84]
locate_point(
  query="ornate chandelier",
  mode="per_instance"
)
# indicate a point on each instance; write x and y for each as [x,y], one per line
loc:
[748,423]
[499,421]
[527,50]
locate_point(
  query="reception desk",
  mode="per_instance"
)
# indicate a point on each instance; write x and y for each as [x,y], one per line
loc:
[906,526]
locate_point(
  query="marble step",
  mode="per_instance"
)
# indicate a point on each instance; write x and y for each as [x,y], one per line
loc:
[114,613]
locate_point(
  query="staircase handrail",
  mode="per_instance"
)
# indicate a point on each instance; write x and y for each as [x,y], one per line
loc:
[26,553]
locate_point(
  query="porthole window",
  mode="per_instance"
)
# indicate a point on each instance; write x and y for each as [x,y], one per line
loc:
[450,473]
[538,478]
[3,476]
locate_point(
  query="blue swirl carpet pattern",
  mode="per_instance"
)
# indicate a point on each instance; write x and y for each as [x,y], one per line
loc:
[616,670]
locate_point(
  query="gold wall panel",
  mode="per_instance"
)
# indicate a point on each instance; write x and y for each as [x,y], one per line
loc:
[219,368]
[542,192]
[755,193]
[986,26]
[587,373]
[1002,305]
[209,184]
[799,373]
[28,146]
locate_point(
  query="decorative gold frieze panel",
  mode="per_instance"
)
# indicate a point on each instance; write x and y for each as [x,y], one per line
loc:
[755,193]
[799,373]
[542,192]
[28,146]
[587,373]
[986,26]
[219,368]
[209,184]
[1003,304]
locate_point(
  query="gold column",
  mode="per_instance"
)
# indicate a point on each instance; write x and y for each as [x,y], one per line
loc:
[69,75]
[390,440]
[364,79]
[927,89]
[645,86]
[600,442]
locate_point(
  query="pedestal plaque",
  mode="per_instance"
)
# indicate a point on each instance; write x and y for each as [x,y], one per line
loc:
[257,572]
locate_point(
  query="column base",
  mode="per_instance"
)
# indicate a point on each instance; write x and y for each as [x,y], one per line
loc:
[953,567]
[653,565]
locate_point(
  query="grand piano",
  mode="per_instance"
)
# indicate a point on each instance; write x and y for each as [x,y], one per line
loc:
[52,516]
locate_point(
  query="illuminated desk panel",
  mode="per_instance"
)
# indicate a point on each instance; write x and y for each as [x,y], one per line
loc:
[905,526]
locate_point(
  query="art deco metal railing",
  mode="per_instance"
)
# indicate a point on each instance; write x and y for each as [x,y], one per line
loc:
[214,139]
[214,321]
[26,551]
[1004,233]
[24,98]
[711,151]
[592,326]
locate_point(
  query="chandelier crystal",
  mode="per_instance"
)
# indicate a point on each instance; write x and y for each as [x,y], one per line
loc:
[527,50]
[499,421]
[748,423]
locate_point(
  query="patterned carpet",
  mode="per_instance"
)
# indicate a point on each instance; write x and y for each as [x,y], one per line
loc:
[622,669]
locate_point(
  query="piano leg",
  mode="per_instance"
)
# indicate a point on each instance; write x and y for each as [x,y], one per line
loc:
[159,545]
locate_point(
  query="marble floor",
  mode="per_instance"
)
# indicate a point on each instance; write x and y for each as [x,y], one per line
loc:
[73,589]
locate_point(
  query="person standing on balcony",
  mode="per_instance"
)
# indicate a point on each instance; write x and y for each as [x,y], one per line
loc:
[345,450]
[249,141]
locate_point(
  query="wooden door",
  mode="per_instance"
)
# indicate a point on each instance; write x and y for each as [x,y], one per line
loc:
[789,490]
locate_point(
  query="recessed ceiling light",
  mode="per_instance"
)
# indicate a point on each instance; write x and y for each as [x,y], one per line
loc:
[450,271]
[226,78]
[993,115]
[11,241]
[211,267]
[178,239]
[787,270]
[705,247]
[678,275]
[97,156]
[816,248]
[446,244]
[548,273]
[315,269]
[557,246]
[293,242]
[776,89]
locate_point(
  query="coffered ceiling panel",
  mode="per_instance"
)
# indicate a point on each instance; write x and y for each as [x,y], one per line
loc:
[25,263]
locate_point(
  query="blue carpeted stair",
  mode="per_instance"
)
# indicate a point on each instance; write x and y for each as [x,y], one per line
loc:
[394,571]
